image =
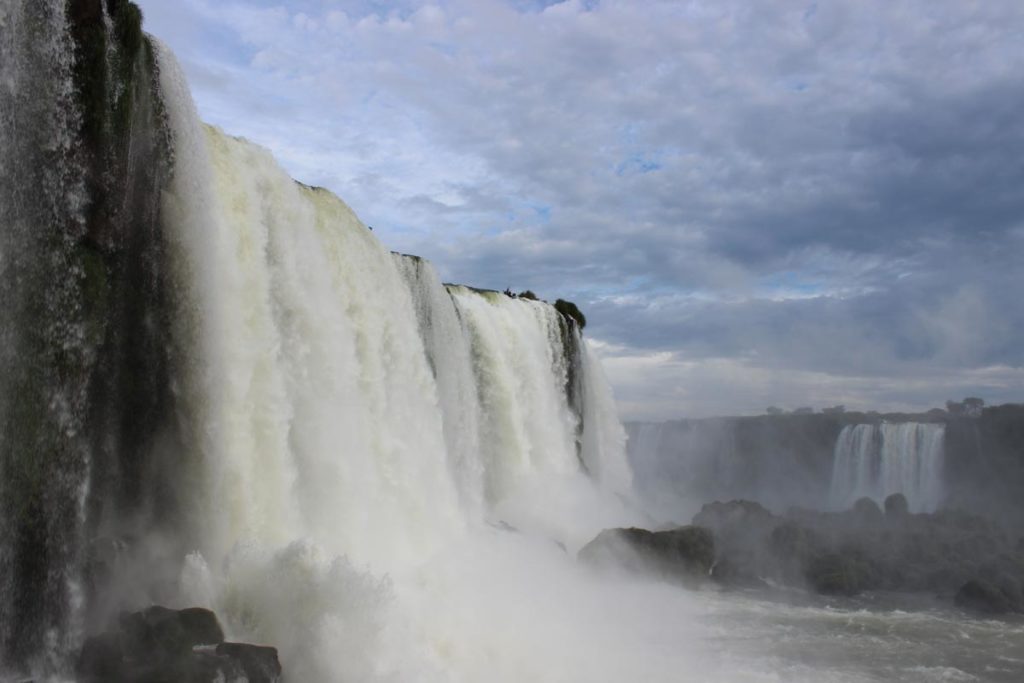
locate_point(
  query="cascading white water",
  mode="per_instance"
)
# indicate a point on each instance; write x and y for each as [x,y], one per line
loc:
[315,409]
[351,423]
[448,350]
[875,461]
[527,427]
[604,438]
[855,465]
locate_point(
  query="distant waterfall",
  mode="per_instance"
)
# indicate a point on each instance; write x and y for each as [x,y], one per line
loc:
[875,461]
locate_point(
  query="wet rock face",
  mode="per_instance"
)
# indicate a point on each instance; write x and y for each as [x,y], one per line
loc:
[161,645]
[84,365]
[686,554]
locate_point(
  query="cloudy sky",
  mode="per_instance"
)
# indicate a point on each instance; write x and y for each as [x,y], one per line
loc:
[755,203]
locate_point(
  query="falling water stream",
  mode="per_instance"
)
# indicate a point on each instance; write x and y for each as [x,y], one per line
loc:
[876,461]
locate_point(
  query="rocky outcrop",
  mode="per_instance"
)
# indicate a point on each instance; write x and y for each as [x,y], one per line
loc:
[738,528]
[161,645]
[991,597]
[957,556]
[684,555]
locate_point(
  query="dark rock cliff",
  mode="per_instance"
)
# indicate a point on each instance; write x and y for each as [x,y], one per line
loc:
[84,364]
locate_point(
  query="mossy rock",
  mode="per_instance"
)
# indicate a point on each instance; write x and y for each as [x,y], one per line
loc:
[571,311]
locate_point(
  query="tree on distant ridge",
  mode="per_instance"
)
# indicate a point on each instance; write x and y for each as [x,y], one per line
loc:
[973,406]
[969,407]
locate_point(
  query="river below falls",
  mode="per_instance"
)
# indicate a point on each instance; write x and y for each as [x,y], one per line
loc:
[872,638]
[496,616]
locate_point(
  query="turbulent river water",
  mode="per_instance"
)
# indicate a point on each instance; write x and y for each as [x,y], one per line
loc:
[874,638]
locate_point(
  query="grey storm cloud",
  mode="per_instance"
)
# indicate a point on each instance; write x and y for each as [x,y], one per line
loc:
[823,198]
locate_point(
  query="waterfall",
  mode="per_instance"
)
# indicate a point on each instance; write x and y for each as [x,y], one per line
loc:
[447,345]
[314,406]
[527,425]
[346,416]
[875,461]
[218,388]
[604,438]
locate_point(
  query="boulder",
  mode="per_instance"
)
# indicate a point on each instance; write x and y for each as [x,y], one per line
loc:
[161,645]
[841,573]
[947,553]
[979,595]
[866,512]
[896,506]
[259,663]
[167,633]
[686,553]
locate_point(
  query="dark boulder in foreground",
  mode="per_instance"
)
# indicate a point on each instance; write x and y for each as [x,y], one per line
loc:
[161,645]
[166,632]
[259,662]
[685,554]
